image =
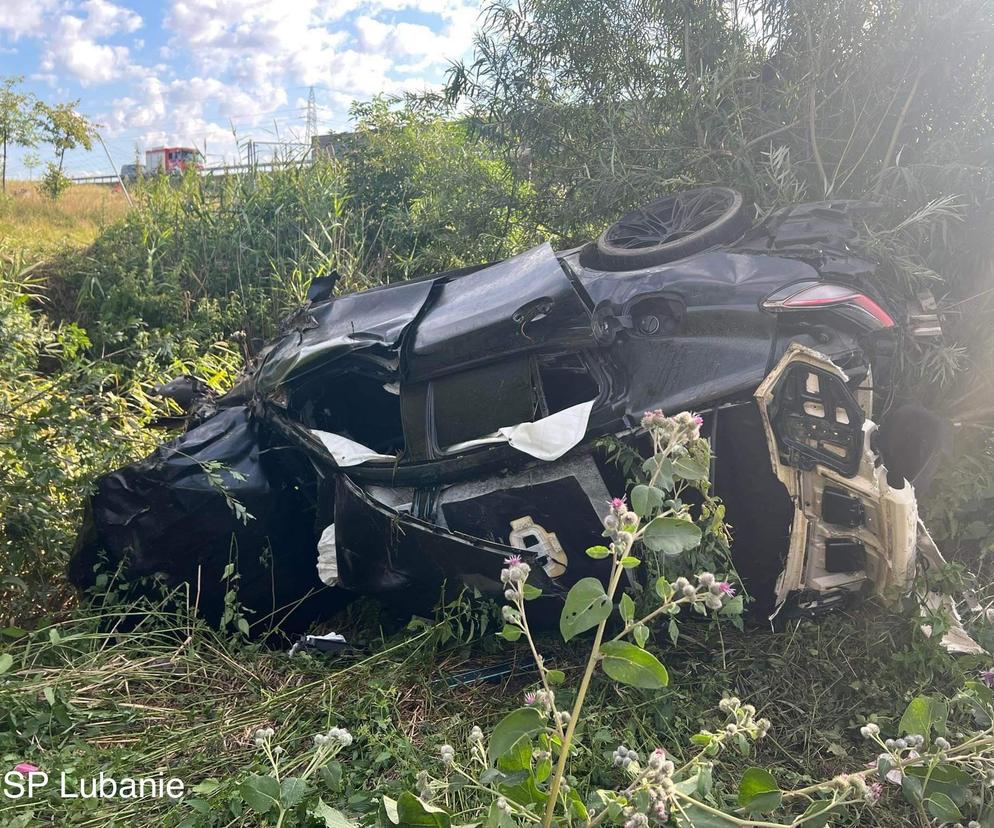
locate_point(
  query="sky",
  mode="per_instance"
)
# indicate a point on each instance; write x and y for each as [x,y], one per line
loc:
[220,72]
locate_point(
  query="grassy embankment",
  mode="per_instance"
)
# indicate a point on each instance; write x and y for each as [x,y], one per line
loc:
[30,220]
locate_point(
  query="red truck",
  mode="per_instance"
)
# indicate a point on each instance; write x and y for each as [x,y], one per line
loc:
[172,160]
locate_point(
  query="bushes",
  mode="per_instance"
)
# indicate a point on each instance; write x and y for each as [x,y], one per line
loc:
[207,257]
[64,418]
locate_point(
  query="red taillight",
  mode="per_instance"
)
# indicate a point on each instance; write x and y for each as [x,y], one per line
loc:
[811,296]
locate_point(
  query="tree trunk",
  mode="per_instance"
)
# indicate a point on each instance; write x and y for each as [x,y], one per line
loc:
[62,155]
[4,175]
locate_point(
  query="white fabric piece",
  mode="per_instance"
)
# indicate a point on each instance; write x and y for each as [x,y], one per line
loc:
[551,437]
[328,557]
[348,452]
[546,439]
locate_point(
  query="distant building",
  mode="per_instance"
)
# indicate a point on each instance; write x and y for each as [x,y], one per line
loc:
[333,145]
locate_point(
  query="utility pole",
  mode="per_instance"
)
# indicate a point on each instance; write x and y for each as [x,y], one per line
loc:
[312,120]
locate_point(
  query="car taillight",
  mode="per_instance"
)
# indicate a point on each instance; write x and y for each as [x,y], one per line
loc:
[808,296]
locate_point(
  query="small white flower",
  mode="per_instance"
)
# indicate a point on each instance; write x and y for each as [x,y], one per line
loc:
[476,734]
[448,754]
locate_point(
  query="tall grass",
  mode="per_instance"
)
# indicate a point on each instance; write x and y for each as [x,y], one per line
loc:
[32,221]
[201,258]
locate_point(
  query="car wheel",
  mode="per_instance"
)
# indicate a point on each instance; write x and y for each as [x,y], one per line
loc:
[673,227]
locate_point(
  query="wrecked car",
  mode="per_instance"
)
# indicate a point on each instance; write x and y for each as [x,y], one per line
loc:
[411,437]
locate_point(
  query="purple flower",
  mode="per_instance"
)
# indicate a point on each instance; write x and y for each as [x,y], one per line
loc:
[726,588]
[874,792]
[24,768]
[531,698]
[514,560]
[698,420]
[987,676]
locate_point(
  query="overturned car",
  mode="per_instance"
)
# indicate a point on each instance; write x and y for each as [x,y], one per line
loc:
[411,437]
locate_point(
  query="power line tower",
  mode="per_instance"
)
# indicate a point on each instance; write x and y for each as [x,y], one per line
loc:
[312,119]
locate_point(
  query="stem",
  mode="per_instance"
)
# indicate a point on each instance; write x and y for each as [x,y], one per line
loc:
[520,601]
[557,776]
[474,783]
[895,134]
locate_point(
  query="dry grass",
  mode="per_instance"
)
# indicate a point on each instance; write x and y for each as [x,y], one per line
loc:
[31,221]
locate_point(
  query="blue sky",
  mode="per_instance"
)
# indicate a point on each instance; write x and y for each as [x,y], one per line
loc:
[186,72]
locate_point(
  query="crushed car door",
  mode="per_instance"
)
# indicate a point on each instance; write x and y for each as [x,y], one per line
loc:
[521,304]
[408,542]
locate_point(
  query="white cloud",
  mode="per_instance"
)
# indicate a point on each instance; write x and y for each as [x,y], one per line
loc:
[73,43]
[20,18]
[104,19]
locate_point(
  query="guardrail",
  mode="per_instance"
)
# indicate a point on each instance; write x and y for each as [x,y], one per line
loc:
[225,169]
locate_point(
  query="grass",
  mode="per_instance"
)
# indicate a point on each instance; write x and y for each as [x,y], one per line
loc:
[30,220]
[174,697]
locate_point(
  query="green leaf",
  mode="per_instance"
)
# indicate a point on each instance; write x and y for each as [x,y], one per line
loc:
[6,662]
[758,790]
[329,817]
[510,632]
[922,714]
[627,608]
[944,778]
[531,592]
[243,625]
[632,665]
[411,810]
[517,725]
[943,808]
[661,464]
[646,500]
[331,775]
[292,791]
[206,787]
[555,676]
[671,536]
[688,468]
[630,562]
[823,809]
[586,606]
[664,589]
[640,634]
[690,815]
[261,793]
[598,552]
[674,630]
[733,607]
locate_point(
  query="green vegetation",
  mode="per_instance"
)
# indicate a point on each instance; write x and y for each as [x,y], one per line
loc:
[568,114]
[26,121]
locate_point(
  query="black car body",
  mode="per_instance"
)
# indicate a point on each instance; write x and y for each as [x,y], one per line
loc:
[423,431]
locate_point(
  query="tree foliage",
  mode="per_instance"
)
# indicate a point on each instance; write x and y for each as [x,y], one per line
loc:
[18,120]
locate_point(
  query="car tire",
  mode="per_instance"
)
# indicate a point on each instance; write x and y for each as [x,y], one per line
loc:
[673,227]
